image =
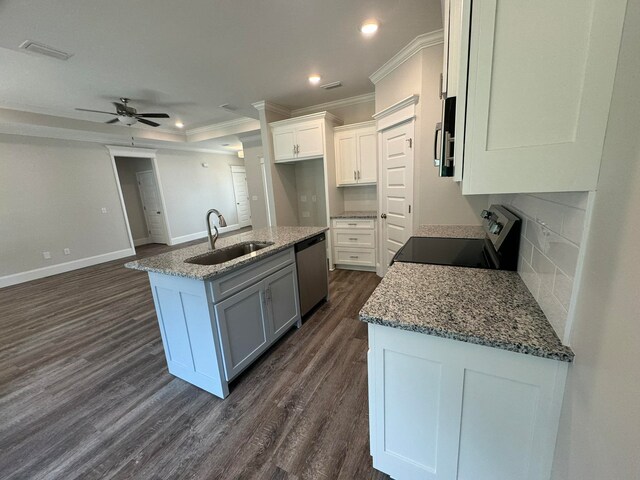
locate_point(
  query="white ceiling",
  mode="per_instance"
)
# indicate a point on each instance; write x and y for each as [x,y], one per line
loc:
[186,58]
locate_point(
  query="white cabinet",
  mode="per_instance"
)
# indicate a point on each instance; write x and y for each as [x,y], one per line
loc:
[441,409]
[296,139]
[356,154]
[354,243]
[538,78]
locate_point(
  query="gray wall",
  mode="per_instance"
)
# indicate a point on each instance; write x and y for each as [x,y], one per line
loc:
[51,196]
[252,155]
[127,169]
[439,200]
[310,185]
[600,421]
[190,189]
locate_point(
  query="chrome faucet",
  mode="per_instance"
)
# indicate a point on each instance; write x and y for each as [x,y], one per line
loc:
[221,220]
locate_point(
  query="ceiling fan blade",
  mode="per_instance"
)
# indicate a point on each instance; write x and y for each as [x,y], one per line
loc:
[94,111]
[152,115]
[113,120]
[148,122]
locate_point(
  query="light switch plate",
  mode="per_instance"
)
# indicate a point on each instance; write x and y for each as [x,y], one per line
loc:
[46,255]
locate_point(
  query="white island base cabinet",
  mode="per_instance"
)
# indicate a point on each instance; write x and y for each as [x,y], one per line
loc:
[448,410]
[213,329]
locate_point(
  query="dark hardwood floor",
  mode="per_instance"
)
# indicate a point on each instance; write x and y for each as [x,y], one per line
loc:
[84,390]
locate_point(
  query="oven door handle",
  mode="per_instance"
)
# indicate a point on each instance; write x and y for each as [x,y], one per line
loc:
[436,159]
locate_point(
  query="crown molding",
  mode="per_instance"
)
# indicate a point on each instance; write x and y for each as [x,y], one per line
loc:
[351,126]
[397,113]
[271,107]
[238,122]
[345,102]
[118,151]
[314,116]
[420,42]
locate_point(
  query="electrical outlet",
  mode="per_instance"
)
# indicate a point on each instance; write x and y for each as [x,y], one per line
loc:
[104,210]
[67,251]
[254,198]
[306,214]
[303,198]
[46,255]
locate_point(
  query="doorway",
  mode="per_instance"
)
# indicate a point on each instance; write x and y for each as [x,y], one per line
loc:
[151,206]
[241,192]
[396,189]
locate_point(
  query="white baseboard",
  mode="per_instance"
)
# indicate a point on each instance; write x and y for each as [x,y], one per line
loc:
[203,234]
[29,275]
[141,241]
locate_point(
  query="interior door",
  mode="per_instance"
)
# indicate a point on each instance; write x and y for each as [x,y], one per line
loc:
[241,191]
[397,189]
[309,140]
[152,206]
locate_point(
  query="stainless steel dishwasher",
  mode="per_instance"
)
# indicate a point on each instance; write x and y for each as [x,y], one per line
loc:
[313,279]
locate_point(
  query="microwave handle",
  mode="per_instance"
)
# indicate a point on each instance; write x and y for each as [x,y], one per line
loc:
[436,159]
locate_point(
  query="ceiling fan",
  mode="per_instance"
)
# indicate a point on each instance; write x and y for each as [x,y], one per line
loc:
[128,115]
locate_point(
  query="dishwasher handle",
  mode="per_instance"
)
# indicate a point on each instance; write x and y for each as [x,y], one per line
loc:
[309,242]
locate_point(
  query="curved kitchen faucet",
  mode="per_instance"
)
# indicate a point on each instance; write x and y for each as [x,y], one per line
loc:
[221,220]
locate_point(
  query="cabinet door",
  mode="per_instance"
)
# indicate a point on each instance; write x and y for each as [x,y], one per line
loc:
[244,332]
[346,164]
[367,156]
[540,81]
[283,306]
[310,140]
[284,143]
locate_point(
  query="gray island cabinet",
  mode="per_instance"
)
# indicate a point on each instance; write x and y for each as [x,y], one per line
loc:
[218,311]
[213,329]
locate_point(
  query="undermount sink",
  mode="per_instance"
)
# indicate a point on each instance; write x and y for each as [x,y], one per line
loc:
[228,253]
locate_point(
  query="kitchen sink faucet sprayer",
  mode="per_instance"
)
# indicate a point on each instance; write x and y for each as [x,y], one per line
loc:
[221,220]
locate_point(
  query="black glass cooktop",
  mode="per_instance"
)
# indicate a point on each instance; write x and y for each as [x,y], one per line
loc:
[460,252]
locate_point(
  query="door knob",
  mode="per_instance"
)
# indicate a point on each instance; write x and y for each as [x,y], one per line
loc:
[384,215]
[158,213]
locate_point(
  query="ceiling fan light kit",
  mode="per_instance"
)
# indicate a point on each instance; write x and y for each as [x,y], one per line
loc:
[128,115]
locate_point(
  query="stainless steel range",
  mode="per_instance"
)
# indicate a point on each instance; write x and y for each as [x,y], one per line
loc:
[498,250]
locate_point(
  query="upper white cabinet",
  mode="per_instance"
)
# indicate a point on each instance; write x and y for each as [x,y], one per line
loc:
[538,85]
[300,138]
[356,154]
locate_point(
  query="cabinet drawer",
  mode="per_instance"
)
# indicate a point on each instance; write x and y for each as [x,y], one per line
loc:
[227,285]
[355,256]
[354,238]
[353,223]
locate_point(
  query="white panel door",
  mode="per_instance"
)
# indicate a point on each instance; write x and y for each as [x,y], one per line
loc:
[346,158]
[310,140]
[367,156]
[241,191]
[540,81]
[397,189]
[152,206]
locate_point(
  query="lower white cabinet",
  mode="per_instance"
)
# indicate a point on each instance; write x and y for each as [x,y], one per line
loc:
[354,243]
[449,410]
[212,330]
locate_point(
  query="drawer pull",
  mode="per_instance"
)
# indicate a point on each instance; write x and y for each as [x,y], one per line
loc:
[353,256]
[353,239]
[352,224]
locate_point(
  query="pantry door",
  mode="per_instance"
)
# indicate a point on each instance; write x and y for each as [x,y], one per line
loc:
[397,189]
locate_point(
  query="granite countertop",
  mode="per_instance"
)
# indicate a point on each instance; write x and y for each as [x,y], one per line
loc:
[481,306]
[172,263]
[450,231]
[357,214]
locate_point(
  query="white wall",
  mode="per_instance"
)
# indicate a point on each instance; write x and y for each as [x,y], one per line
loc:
[51,196]
[552,234]
[360,198]
[439,200]
[600,423]
[127,169]
[190,190]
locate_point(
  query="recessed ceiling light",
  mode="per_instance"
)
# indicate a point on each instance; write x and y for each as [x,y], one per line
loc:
[315,79]
[369,27]
[179,124]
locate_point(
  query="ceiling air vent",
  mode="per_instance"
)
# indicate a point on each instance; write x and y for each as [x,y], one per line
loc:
[41,49]
[330,86]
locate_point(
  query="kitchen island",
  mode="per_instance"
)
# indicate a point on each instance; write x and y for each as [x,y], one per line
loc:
[219,314]
[466,375]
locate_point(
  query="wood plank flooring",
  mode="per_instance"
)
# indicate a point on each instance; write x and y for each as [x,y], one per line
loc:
[85,393]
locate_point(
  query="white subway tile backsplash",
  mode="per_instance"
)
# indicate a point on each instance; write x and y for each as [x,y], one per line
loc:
[552,230]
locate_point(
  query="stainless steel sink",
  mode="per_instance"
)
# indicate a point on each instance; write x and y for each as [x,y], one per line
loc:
[228,253]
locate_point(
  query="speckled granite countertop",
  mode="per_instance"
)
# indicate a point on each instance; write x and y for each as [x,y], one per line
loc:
[485,307]
[357,214]
[450,231]
[172,263]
